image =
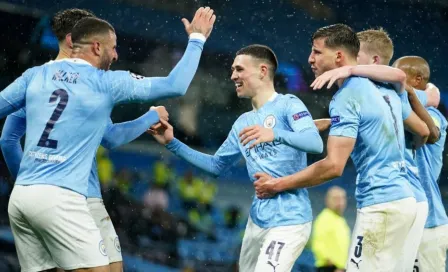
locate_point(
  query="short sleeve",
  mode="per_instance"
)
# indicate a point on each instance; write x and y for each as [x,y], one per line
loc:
[345,114]
[405,105]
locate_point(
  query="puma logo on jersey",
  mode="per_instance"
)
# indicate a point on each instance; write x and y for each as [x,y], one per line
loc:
[357,263]
[273,266]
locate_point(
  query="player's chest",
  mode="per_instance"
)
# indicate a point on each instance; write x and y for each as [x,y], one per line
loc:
[265,119]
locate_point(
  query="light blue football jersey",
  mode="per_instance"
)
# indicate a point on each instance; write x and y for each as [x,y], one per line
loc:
[411,163]
[68,103]
[359,110]
[283,112]
[430,162]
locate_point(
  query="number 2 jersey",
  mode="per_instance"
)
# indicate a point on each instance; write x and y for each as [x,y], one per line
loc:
[68,104]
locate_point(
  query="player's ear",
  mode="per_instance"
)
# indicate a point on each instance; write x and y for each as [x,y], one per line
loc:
[418,80]
[263,70]
[339,56]
[376,59]
[97,48]
[68,40]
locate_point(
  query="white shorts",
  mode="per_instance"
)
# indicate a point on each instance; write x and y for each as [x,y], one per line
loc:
[274,249]
[103,222]
[52,227]
[432,250]
[410,249]
[379,235]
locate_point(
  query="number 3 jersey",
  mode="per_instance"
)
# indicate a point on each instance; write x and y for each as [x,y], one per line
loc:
[359,110]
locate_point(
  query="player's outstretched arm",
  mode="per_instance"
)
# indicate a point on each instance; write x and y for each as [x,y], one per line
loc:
[126,86]
[338,152]
[381,73]
[226,156]
[13,130]
[123,133]
[423,114]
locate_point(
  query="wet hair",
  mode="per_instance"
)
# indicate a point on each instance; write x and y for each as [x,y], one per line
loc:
[339,36]
[261,52]
[63,21]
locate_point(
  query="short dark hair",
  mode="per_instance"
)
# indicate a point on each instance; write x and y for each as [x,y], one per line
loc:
[88,27]
[64,21]
[337,36]
[261,52]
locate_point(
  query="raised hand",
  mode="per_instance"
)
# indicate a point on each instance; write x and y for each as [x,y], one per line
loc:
[202,22]
[163,134]
[258,133]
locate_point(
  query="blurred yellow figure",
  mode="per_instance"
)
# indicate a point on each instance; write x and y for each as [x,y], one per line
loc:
[162,174]
[105,167]
[190,188]
[331,234]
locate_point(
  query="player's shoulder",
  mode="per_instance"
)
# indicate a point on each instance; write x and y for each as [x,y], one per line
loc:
[288,99]
[355,82]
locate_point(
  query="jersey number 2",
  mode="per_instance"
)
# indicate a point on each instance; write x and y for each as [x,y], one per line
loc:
[44,141]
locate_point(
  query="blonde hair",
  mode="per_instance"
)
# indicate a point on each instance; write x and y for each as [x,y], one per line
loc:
[377,42]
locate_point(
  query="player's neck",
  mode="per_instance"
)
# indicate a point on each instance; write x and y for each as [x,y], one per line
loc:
[347,63]
[64,53]
[86,57]
[263,96]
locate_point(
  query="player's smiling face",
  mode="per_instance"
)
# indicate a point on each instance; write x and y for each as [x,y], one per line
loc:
[246,73]
[322,58]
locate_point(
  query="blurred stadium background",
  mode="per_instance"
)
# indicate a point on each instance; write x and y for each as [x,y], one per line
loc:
[168,215]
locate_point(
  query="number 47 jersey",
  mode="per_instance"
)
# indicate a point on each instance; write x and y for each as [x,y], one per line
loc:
[68,104]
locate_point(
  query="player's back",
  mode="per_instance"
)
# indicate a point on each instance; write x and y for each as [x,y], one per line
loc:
[361,111]
[67,113]
[430,162]
[405,138]
[278,160]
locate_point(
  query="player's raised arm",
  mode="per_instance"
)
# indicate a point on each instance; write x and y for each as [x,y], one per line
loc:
[126,86]
[13,130]
[380,73]
[304,135]
[123,133]
[227,155]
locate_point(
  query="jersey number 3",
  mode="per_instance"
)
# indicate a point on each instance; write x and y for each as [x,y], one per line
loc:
[44,140]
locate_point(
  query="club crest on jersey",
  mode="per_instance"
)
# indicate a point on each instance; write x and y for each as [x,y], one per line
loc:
[102,248]
[299,115]
[135,76]
[335,120]
[270,121]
